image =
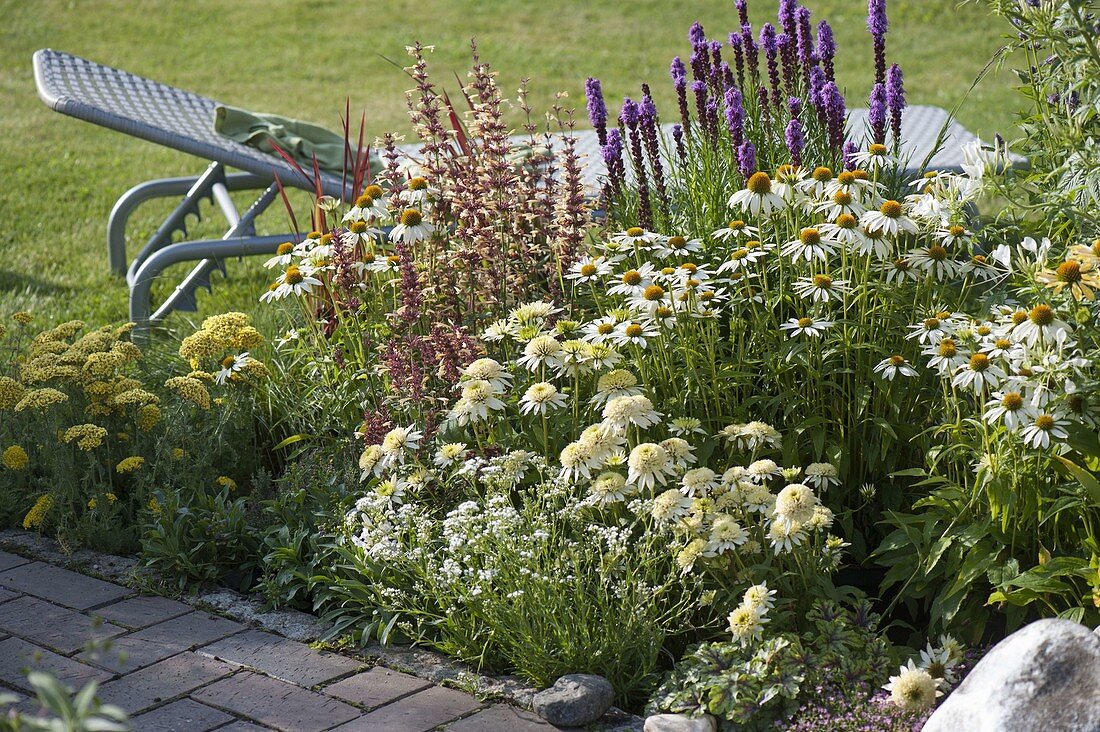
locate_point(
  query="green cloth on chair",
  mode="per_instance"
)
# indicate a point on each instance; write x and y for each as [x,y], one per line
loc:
[300,140]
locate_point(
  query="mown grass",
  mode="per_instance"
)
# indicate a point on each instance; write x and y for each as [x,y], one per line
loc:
[304,57]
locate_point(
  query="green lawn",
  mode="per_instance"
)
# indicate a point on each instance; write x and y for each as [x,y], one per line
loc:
[304,57]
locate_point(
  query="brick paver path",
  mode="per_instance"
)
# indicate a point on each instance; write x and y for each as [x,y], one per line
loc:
[177,669]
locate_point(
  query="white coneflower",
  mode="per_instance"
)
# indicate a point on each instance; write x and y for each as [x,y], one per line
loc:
[954,236]
[930,330]
[284,255]
[795,504]
[913,689]
[746,625]
[575,459]
[821,288]
[760,434]
[677,246]
[890,367]
[649,465]
[726,534]
[541,398]
[890,218]
[449,454]
[806,326]
[1009,407]
[609,488]
[945,357]
[681,426]
[734,231]
[841,203]
[1044,429]
[499,330]
[785,536]
[634,410]
[393,490]
[541,351]
[481,397]
[296,280]
[600,330]
[371,461]
[762,470]
[633,282]
[230,366]
[1041,323]
[535,312]
[399,440]
[602,355]
[875,157]
[822,475]
[757,197]
[616,383]
[634,236]
[822,519]
[637,334]
[756,497]
[759,598]
[935,260]
[978,373]
[740,258]
[690,554]
[809,246]
[939,663]
[488,369]
[699,482]
[589,270]
[680,451]
[411,227]
[672,505]
[900,270]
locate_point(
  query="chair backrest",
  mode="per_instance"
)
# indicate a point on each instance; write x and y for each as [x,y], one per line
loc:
[153,111]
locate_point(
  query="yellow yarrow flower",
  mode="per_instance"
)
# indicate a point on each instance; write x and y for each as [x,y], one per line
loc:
[41,399]
[190,389]
[22,317]
[11,391]
[178,453]
[132,397]
[122,436]
[246,339]
[37,515]
[148,417]
[15,458]
[202,376]
[88,436]
[93,504]
[111,498]
[226,482]
[130,464]
[153,505]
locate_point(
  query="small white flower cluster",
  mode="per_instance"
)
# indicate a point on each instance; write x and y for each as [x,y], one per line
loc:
[918,685]
[746,622]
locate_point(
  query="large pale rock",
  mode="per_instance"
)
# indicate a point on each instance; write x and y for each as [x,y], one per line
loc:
[1042,678]
[574,700]
[680,723]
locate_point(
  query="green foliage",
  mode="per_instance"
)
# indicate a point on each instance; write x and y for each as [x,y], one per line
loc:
[65,712]
[751,686]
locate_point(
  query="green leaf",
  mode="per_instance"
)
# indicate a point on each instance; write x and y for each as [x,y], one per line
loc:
[1084,477]
[290,441]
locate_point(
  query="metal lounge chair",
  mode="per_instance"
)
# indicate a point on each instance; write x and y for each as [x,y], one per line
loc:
[183,121]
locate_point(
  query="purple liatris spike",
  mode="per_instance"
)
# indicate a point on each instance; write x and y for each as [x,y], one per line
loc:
[735,115]
[752,51]
[787,56]
[787,10]
[597,109]
[876,113]
[770,42]
[738,57]
[794,104]
[612,153]
[849,154]
[826,48]
[746,158]
[795,141]
[817,98]
[836,113]
[742,11]
[629,114]
[678,138]
[696,35]
[699,89]
[805,41]
[878,24]
[895,101]
[679,82]
[677,70]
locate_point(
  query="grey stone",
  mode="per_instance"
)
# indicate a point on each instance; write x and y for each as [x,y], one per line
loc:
[7,561]
[61,586]
[6,595]
[1042,677]
[575,700]
[284,659]
[162,640]
[184,715]
[240,726]
[680,723]
[502,718]
[375,687]
[141,612]
[420,712]
[56,627]
[276,703]
[18,656]
[292,624]
[168,679]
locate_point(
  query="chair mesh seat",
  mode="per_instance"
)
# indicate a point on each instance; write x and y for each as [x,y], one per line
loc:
[153,111]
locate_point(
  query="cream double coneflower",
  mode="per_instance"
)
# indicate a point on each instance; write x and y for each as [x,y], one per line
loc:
[649,465]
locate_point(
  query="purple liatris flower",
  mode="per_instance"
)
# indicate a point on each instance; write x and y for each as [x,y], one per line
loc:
[817,98]
[804,41]
[746,158]
[612,153]
[787,56]
[677,70]
[895,101]
[597,109]
[678,138]
[738,57]
[826,48]
[629,114]
[876,113]
[770,42]
[794,104]
[848,152]
[735,115]
[679,82]
[752,51]
[742,11]
[787,10]
[878,24]
[697,36]
[836,113]
[795,141]
[699,89]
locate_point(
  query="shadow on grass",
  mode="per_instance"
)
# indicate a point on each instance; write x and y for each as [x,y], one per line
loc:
[14,283]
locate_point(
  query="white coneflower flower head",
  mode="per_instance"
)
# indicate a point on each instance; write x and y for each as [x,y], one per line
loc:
[913,688]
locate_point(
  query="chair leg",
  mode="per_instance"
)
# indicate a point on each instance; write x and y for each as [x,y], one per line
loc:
[160,188]
[209,253]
